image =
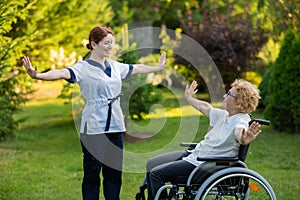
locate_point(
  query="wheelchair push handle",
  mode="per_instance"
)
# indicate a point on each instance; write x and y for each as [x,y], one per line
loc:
[188,144]
[260,121]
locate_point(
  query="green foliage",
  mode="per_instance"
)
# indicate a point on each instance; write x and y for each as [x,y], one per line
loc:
[143,98]
[281,15]
[263,88]
[231,36]
[128,54]
[268,56]
[253,77]
[269,52]
[271,15]
[284,105]
[123,13]
[40,29]
[57,24]
[12,86]
[139,95]
[233,32]
[7,123]
[293,68]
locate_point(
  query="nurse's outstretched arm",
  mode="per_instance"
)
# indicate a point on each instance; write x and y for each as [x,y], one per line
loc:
[51,75]
[145,69]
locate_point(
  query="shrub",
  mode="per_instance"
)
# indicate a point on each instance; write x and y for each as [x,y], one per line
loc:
[263,87]
[284,101]
[8,125]
[140,100]
[139,95]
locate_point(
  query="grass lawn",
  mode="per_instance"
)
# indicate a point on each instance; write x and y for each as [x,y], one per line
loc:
[44,161]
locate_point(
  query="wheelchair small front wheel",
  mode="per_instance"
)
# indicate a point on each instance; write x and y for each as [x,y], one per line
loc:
[235,183]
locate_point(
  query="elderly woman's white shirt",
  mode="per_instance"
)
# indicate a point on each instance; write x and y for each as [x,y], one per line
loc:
[220,141]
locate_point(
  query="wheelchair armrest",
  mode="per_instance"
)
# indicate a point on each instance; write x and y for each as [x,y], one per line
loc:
[219,159]
[188,144]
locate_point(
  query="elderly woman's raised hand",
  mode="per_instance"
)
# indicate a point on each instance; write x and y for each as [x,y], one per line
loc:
[190,90]
[250,135]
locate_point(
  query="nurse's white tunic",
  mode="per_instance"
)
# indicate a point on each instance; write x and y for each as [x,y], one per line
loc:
[99,87]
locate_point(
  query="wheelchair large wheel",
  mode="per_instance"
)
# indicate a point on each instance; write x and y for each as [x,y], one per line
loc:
[235,183]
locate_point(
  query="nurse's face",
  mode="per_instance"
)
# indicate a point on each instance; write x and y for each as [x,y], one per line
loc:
[105,46]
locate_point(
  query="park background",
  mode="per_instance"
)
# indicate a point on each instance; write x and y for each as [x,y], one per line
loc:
[255,40]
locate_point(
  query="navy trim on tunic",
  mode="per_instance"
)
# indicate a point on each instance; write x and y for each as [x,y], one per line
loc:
[73,77]
[109,111]
[129,72]
[106,70]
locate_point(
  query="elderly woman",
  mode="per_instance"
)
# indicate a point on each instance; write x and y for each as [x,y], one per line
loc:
[229,129]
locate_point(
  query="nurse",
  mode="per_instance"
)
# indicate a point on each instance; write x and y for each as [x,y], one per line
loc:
[102,124]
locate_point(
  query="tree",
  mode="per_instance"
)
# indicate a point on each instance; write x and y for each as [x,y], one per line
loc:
[284,102]
[60,24]
[36,28]
[232,39]
[240,27]
[13,86]
[293,68]
[280,15]
[232,32]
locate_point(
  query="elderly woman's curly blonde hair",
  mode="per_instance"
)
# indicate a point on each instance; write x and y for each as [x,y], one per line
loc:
[247,96]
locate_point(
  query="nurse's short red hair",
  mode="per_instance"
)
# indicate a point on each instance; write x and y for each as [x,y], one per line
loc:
[97,34]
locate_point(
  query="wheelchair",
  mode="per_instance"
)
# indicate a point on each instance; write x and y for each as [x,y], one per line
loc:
[219,179]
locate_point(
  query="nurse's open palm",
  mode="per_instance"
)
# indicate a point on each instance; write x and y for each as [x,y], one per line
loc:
[30,70]
[162,61]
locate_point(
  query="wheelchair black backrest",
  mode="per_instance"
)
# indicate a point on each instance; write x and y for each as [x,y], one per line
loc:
[244,148]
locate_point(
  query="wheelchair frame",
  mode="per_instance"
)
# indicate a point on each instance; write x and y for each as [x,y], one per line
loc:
[223,177]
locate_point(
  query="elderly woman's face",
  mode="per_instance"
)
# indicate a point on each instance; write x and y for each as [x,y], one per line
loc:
[230,100]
